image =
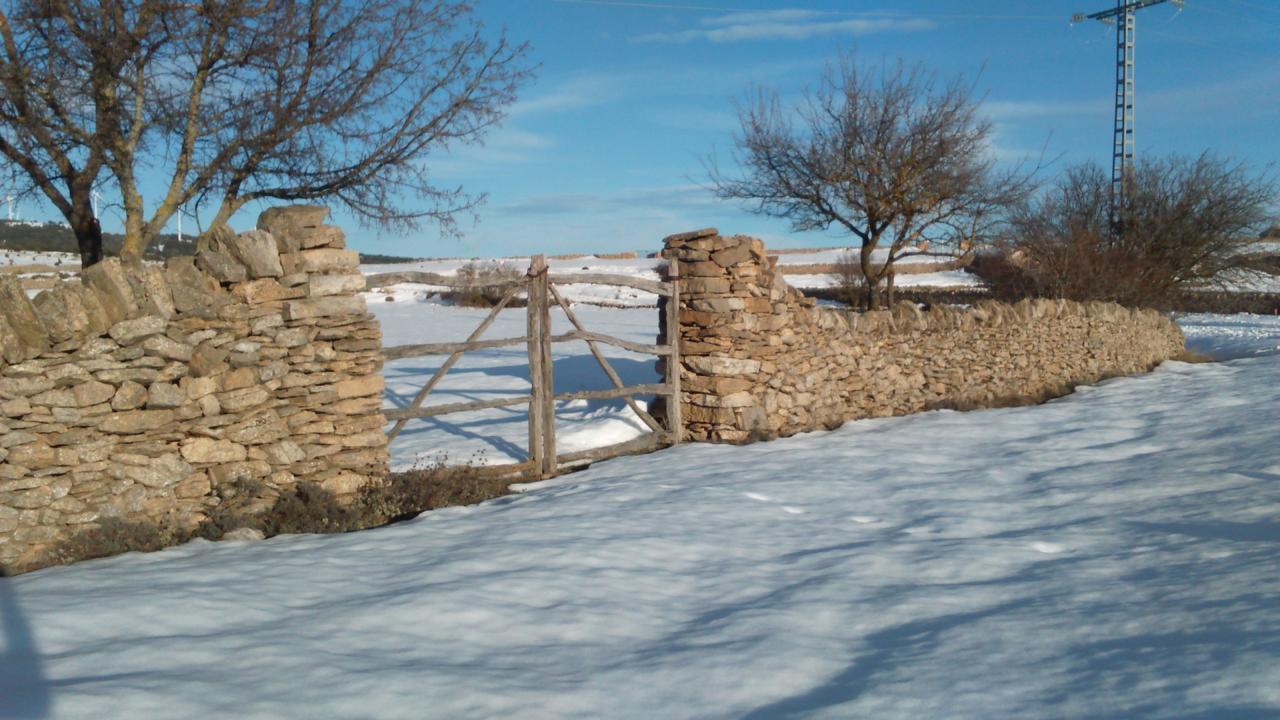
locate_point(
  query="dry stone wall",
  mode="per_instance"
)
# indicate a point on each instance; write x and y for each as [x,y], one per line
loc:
[760,360]
[145,392]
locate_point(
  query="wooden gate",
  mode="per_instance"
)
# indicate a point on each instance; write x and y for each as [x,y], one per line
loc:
[540,288]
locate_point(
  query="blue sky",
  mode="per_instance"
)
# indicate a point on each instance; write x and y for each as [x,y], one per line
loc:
[605,150]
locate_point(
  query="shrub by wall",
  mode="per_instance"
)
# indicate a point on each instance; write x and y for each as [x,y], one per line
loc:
[143,392]
[759,359]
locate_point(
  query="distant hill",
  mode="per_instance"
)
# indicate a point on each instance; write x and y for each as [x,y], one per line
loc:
[55,237]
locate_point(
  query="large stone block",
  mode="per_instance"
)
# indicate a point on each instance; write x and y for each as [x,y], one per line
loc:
[12,349]
[193,290]
[151,290]
[62,313]
[289,223]
[325,307]
[108,281]
[322,285]
[18,310]
[716,365]
[210,450]
[256,250]
[128,332]
[222,266]
[360,387]
[328,260]
[136,421]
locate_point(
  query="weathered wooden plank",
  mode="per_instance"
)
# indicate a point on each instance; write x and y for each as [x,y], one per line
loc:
[548,406]
[449,408]
[612,393]
[427,278]
[675,420]
[534,331]
[635,446]
[588,336]
[399,352]
[515,471]
[653,286]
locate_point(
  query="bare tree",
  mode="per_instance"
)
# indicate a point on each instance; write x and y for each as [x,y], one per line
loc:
[237,101]
[888,154]
[1187,223]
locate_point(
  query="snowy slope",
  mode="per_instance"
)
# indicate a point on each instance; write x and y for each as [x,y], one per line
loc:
[1109,554]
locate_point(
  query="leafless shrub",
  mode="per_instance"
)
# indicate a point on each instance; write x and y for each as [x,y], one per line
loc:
[848,281]
[1187,223]
[487,281]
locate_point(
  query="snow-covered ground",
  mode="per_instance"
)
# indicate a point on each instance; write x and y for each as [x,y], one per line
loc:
[64,261]
[1109,554]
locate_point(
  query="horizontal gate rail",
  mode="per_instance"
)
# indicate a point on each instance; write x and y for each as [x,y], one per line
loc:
[448,408]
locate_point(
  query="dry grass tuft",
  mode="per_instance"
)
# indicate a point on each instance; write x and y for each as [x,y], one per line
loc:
[486,280]
[305,508]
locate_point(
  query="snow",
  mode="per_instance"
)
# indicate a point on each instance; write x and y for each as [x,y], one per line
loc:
[64,261]
[1109,554]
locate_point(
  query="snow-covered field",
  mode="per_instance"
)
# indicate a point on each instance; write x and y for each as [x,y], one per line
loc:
[1109,554]
[12,258]
[647,268]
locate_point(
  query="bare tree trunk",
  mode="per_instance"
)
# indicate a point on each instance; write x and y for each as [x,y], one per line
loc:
[133,247]
[889,287]
[870,276]
[88,234]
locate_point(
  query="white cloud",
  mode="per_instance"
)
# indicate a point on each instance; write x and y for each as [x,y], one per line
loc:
[783,25]
[503,146]
[1017,109]
[578,92]
[628,201]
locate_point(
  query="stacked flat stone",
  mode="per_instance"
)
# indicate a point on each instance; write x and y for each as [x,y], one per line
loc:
[760,360]
[143,392]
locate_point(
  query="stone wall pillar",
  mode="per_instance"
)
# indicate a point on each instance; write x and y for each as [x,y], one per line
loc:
[334,379]
[732,305]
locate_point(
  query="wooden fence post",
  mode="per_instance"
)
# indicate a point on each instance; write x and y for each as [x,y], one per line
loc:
[536,269]
[674,419]
[548,407]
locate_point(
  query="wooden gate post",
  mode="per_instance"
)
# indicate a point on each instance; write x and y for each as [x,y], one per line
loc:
[538,268]
[547,367]
[542,403]
[674,420]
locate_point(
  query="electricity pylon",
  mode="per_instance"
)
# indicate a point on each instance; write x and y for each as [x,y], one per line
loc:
[1123,16]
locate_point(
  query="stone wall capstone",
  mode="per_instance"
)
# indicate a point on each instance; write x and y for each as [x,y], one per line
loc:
[760,360]
[144,392]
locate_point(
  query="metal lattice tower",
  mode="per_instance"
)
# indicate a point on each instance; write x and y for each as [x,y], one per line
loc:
[1124,16]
